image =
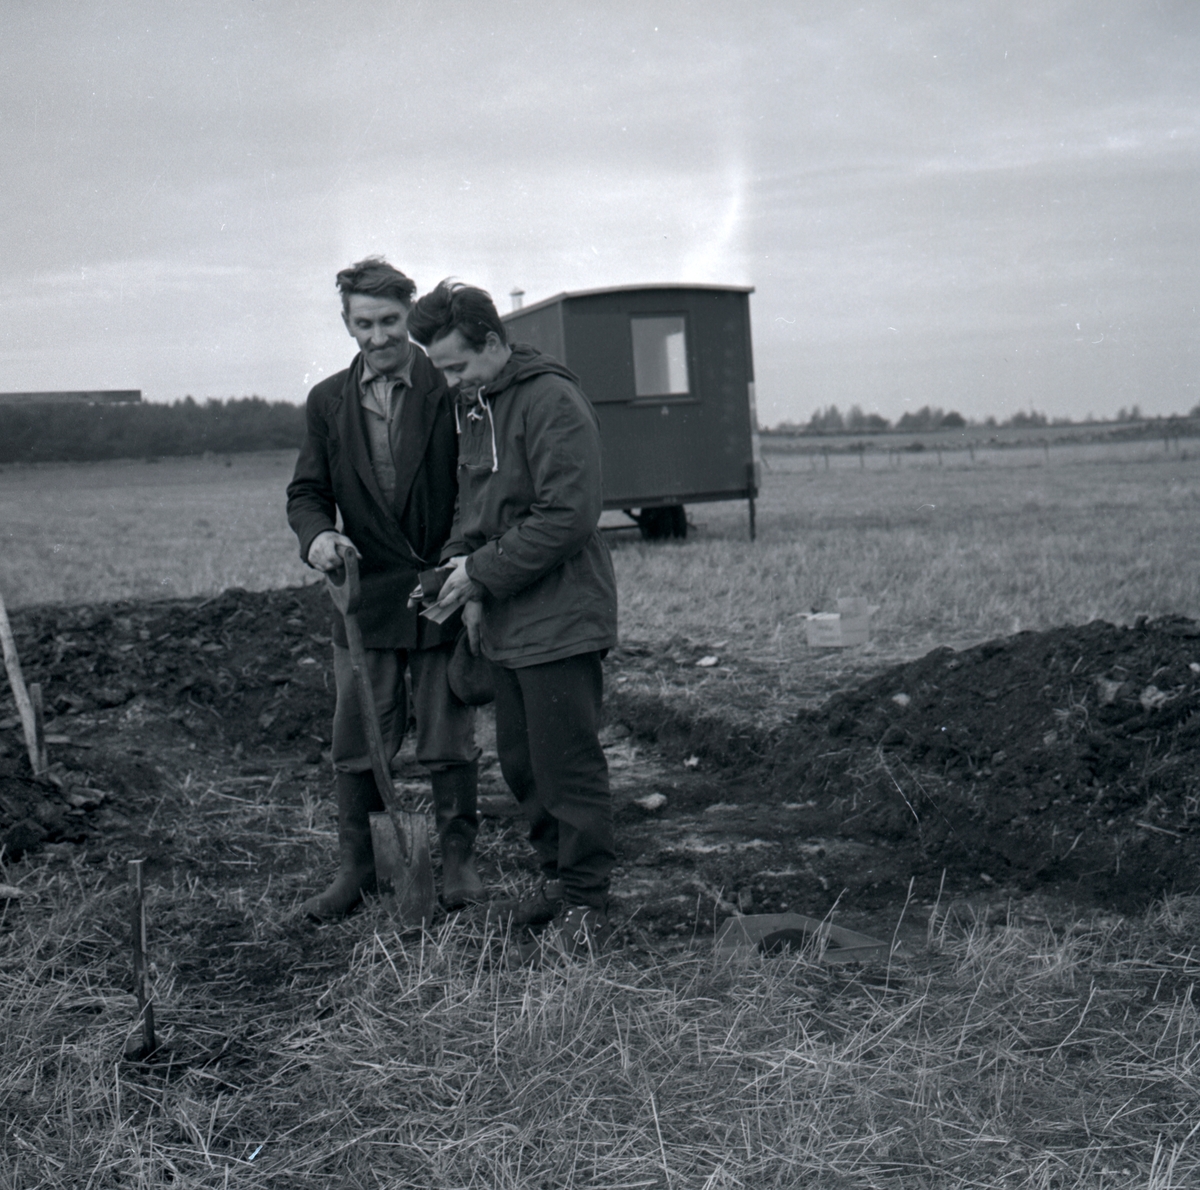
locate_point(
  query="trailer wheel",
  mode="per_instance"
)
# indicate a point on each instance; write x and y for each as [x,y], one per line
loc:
[679,524]
[657,524]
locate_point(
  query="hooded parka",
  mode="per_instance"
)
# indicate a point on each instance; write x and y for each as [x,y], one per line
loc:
[529,503]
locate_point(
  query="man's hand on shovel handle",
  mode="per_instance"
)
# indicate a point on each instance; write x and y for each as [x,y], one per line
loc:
[323,553]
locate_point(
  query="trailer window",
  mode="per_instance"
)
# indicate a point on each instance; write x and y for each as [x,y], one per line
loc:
[660,356]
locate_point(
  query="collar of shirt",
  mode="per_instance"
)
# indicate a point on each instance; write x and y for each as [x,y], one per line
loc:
[377,388]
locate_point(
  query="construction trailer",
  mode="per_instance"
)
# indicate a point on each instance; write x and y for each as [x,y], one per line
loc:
[670,371]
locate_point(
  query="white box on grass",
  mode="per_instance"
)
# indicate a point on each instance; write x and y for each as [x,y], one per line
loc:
[849,625]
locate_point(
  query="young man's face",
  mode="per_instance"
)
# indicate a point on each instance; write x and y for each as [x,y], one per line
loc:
[466,368]
[380,328]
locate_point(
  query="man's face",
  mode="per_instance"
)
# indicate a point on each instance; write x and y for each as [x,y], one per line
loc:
[380,328]
[465,368]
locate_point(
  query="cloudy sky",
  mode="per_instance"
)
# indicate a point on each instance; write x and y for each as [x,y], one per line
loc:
[983,206]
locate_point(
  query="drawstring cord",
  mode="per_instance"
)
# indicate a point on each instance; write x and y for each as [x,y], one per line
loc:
[495,453]
[475,413]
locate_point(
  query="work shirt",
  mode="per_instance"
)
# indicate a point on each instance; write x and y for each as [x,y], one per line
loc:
[382,402]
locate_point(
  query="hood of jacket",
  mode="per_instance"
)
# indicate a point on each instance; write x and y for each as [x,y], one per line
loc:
[524,363]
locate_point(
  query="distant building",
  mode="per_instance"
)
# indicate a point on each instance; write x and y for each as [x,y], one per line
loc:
[100,396]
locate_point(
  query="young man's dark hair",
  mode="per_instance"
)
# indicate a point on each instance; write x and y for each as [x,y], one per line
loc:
[451,307]
[374,277]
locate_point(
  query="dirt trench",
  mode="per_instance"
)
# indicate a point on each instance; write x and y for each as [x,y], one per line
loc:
[1062,761]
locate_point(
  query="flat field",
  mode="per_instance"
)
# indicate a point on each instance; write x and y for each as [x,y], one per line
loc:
[950,555]
[132,529]
[1017,539]
[1008,1037]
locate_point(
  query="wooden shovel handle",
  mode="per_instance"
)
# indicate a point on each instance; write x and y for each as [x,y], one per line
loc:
[345,594]
[342,584]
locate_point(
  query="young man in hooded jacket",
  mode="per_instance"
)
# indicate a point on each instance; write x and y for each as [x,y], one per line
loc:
[539,593]
[380,452]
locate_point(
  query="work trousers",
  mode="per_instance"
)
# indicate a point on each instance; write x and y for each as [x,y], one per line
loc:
[547,737]
[445,729]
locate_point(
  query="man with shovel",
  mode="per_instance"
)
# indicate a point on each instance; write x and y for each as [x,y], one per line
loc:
[381,452]
[541,598]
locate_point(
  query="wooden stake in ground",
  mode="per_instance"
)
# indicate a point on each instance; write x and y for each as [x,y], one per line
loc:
[39,728]
[12,664]
[137,1050]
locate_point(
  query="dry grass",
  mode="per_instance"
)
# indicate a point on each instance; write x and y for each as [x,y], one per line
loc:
[945,552]
[960,551]
[1023,1050]
[77,532]
[1006,1052]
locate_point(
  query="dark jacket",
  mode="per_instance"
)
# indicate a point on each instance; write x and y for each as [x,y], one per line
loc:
[528,507]
[334,474]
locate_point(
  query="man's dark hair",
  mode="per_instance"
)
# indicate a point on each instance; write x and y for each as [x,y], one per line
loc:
[374,277]
[451,307]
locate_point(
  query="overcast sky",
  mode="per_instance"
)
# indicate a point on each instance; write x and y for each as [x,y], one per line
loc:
[982,206]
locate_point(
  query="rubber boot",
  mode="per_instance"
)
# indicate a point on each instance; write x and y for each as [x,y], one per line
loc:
[357,796]
[455,791]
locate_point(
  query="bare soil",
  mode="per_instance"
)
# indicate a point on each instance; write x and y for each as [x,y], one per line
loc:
[1060,762]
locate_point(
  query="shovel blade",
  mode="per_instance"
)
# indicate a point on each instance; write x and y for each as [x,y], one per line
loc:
[407,885]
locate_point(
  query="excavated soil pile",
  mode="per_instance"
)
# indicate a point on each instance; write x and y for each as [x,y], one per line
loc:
[1065,757]
[244,671]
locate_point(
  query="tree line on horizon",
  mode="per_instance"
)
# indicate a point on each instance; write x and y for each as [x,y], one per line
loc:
[831,420]
[88,433]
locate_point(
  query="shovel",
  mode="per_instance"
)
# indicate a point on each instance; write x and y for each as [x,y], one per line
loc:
[399,838]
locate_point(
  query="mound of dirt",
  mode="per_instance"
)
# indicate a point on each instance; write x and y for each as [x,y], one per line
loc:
[250,668]
[243,672]
[1065,757]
